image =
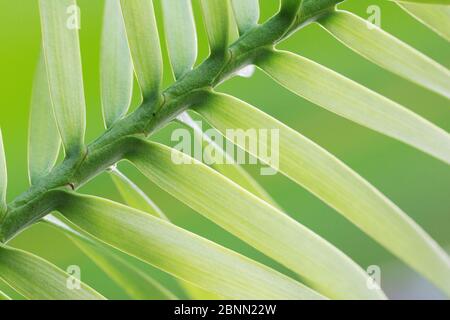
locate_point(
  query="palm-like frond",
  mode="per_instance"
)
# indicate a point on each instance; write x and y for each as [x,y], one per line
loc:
[227,195]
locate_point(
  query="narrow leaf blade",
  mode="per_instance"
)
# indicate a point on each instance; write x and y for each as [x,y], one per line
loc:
[115,65]
[387,51]
[137,199]
[133,281]
[355,102]
[435,17]
[337,185]
[217,18]
[35,278]
[136,284]
[179,252]
[60,22]
[254,221]
[246,13]
[134,196]
[43,137]
[3,178]
[143,40]
[3,296]
[227,165]
[181,35]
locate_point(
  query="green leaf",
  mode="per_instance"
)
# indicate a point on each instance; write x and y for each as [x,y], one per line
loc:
[43,136]
[3,178]
[60,22]
[229,168]
[435,17]
[134,196]
[4,296]
[217,16]
[387,51]
[137,199]
[290,5]
[430,2]
[353,101]
[254,221]
[181,35]
[309,11]
[35,278]
[246,13]
[179,252]
[115,65]
[134,282]
[336,184]
[143,40]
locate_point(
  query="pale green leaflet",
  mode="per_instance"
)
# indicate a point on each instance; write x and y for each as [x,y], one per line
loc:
[120,238]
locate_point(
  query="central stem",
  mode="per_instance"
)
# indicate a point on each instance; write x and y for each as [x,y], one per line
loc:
[114,144]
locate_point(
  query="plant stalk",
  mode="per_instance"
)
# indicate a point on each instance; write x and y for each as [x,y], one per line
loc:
[113,145]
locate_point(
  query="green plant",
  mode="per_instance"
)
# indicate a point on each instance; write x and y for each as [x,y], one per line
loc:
[141,229]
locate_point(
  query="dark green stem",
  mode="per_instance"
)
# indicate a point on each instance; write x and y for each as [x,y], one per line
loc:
[115,143]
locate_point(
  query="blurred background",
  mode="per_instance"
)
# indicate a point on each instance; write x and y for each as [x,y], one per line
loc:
[419,184]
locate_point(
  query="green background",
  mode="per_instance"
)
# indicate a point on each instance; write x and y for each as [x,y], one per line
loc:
[419,184]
